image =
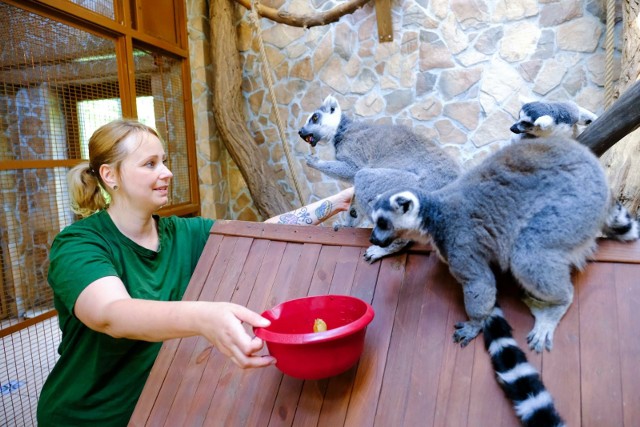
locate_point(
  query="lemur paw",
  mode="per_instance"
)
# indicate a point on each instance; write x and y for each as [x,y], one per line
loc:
[466,332]
[312,160]
[374,253]
[539,338]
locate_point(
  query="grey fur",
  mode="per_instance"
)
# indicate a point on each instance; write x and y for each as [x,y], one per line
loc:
[375,159]
[533,208]
[545,119]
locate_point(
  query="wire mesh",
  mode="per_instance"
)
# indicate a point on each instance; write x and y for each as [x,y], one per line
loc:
[58,83]
[47,69]
[103,7]
[159,77]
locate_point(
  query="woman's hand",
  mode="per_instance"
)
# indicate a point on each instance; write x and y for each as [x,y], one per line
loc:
[225,331]
[317,212]
[343,199]
[105,306]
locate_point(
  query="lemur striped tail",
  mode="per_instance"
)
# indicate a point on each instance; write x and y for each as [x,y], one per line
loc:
[517,377]
[620,225]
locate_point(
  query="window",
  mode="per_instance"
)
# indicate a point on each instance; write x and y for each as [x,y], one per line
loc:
[65,69]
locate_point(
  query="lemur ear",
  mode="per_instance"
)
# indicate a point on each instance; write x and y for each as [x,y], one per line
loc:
[330,104]
[544,122]
[403,203]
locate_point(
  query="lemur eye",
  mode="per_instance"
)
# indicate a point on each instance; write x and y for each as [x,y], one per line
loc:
[314,118]
[382,224]
[332,110]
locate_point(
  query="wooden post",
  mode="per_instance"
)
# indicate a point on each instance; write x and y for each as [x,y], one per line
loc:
[385,25]
[622,118]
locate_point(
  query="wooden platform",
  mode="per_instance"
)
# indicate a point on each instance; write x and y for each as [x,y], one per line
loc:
[411,373]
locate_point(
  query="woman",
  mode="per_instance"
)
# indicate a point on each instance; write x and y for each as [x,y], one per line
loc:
[119,274]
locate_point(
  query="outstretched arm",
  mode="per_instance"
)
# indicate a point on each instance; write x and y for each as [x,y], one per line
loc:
[105,306]
[316,212]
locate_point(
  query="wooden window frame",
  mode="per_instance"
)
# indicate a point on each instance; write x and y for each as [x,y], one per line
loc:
[127,32]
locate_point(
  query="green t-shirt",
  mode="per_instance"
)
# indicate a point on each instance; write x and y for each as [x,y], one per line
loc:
[98,379]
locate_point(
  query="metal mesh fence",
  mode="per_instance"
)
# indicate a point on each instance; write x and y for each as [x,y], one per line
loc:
[58,83]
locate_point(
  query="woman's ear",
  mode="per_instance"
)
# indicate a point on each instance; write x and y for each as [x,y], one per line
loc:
[109,176]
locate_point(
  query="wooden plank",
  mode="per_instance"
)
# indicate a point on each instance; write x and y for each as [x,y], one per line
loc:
[394,388]
[364,282]
[599,348]
[286,401]
[433,335]
[325,268]
[286,279]
[227,394]
[325,273]
[370,372]
[561,366]
[294,233]
[300,233]
[222,289]
[363,287]
[345,270]
[188,347]
[301,277]
[310,403]
[608,250]
[383,18]
[169,348]
[257,388]
[339,388]
[454,384]
[614,251]
[627,290]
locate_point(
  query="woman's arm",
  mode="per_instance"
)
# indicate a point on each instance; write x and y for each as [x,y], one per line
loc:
[317,212]
[105,306]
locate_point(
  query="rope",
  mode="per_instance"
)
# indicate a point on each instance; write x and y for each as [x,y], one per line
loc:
[609,49]
[255,19]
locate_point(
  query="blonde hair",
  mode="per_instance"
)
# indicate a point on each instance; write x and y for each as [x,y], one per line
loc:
[87,190]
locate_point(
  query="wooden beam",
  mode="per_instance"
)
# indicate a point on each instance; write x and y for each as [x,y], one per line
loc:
[305,20]
[622,118]
[385,25]
[229,114]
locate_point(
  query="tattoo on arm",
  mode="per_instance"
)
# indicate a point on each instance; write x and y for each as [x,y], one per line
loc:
[300,216]
[324,210]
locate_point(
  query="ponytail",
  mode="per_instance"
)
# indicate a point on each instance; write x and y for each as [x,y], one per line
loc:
[87,195]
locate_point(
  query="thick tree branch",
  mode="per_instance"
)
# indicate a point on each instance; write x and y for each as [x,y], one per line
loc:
[306,21]
[622,118]
[229,114]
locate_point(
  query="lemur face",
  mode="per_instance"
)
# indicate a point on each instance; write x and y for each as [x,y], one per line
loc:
[395,215]
[323,123]
[544,119]
[539,119]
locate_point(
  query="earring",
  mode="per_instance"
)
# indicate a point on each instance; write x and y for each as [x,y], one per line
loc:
[115,188]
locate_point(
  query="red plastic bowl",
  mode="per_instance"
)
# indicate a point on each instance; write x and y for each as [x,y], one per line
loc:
[308,355]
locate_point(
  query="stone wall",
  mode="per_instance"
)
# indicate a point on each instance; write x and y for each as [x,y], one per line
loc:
[223,193]
[457,71]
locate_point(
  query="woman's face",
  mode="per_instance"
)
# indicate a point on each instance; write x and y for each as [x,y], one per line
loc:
[144,178]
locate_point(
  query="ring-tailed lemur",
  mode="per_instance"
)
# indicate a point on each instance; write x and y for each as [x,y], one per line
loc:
[544,119]
[375,159]
[535,209]
[567,119]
